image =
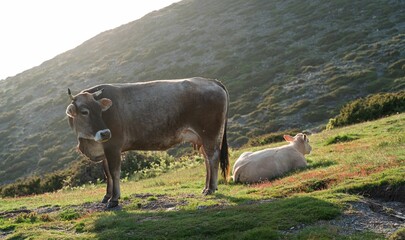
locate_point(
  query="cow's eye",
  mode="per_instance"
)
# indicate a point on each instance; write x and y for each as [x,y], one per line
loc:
[84,112]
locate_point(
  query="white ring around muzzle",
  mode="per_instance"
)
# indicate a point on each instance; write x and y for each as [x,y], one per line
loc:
[103,135]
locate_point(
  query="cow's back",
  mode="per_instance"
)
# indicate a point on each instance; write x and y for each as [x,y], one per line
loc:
[149,116]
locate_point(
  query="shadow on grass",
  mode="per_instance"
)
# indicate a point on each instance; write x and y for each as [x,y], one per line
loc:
[245,221]
[319,164]
[311,165]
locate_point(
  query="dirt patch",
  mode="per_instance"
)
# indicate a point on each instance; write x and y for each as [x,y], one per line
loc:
[145,202]
[13,213]
[382,210]
[159,202]
[366,215]
[372,215]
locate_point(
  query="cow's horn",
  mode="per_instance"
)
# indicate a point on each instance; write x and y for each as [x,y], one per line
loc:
[70,94]
[96,94]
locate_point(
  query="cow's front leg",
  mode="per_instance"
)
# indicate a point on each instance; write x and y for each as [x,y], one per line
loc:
[109,181]
[114,166]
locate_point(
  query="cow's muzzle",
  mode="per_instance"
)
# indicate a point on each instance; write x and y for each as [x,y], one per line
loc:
[103,135]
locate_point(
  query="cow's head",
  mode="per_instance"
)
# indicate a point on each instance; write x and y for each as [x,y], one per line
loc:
[85,116]
[301,140]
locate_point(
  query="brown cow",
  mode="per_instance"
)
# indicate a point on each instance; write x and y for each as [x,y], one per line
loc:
[113,118]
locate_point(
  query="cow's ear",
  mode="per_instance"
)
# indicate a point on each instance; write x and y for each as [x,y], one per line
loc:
[105,104]
[71,111]
[288,138]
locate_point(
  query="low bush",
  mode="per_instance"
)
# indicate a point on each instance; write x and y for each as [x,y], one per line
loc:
[31,217]
[69,214]
[271,138]
[34,185]
[397,68]
[134,162]
[340,139]
[138,165]
[400,234]
[354,77]
[369,108]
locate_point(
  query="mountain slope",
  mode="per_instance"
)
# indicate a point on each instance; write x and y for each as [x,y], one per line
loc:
[287,64]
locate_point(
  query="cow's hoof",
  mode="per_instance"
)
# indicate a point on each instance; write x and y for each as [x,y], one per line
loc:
[208,192]
[112,204]
[105,199]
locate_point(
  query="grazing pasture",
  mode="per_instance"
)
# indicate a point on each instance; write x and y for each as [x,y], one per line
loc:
[329,199]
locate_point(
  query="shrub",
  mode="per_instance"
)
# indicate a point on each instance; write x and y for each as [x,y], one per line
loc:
[340,139]
[362,76]
[137,161]
[271,138]
[138,164]
[369,108]
[240,141]
[84,172]
[397,68]
[34,185]
[31,217]
[297,106]
[400,234]
[69,214]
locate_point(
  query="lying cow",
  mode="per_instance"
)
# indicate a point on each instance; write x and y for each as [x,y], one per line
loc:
[113,118]
[272,162]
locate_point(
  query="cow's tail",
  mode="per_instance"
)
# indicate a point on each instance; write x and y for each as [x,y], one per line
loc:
[224,156]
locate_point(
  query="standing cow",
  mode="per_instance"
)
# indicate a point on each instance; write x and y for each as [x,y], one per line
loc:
[113,118]
[269,163]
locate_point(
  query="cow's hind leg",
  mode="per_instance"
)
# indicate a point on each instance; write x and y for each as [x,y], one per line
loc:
[211,155]
[109,181]
[207,174]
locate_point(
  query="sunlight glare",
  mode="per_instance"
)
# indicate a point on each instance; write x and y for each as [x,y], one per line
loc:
[35,31]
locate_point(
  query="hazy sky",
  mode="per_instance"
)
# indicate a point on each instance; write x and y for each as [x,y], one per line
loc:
[33,31]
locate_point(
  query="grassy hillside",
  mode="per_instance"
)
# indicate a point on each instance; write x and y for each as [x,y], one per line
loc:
[370,162]
[287,64]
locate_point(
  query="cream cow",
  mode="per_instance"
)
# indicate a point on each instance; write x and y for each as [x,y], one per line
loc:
[272,162]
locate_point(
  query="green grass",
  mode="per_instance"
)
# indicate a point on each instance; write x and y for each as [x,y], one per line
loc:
[330,232]
[337,173]
[232,222]
[340,139]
